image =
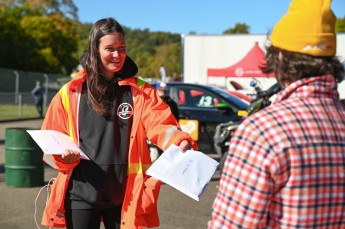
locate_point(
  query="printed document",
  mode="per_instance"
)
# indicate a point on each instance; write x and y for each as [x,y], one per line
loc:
[55,142]
[188,172]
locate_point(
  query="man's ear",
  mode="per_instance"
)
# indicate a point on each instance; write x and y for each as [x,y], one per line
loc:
[280,56]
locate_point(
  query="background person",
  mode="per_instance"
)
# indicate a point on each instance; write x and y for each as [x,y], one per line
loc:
[109,113]
[162,91]
[38,94]
[285,166]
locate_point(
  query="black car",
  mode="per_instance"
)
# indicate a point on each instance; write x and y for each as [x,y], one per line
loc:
[209,105]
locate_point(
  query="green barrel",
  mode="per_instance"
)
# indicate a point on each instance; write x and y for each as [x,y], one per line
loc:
[23,159]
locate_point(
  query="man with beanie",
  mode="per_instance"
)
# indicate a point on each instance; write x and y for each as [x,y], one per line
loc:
[286,163]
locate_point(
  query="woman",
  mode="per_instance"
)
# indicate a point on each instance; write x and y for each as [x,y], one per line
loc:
[109,113]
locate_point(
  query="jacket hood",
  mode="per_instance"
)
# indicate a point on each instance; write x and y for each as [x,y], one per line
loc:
[129,69]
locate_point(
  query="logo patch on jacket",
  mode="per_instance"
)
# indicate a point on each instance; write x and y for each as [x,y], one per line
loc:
[125,111]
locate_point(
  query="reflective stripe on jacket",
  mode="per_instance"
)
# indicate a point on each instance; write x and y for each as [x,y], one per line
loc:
[151,119]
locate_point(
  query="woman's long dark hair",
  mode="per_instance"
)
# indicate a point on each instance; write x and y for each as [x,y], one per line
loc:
[295,66]
[100,92]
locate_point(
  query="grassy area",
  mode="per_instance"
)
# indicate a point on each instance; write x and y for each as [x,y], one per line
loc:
[9,112]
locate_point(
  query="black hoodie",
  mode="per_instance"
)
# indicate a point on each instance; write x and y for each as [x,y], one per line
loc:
[101,182]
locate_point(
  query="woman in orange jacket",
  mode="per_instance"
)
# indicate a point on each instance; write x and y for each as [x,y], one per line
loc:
[109,113]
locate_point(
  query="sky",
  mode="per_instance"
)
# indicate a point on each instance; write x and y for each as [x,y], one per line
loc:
[204,17]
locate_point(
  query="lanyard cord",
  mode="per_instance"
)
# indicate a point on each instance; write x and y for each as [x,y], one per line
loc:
[39,192]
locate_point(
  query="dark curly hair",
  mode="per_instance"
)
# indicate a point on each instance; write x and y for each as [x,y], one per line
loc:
[295,66]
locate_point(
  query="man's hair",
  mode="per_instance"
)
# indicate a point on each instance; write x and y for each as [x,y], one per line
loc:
[295,66]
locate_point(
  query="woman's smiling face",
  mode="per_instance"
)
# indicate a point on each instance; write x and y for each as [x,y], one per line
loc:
[112,51]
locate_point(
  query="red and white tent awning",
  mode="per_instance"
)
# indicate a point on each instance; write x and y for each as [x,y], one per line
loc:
[247,67]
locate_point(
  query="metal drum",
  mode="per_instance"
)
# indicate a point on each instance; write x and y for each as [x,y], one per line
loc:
[23,159]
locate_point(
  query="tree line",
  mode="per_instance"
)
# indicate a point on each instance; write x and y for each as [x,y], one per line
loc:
[46,36]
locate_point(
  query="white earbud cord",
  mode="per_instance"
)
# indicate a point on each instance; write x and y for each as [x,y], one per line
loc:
[39,192]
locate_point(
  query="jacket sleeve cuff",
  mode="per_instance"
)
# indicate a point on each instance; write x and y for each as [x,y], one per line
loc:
[63,166]
[190,140]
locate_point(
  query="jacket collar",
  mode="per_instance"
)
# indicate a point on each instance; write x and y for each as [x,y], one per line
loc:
[312,87]
[128,71]
[81,77]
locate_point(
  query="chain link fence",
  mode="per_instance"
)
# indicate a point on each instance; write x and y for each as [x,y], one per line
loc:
[16,86]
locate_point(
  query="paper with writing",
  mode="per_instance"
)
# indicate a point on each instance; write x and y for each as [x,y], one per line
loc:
[188,172]
[55,142]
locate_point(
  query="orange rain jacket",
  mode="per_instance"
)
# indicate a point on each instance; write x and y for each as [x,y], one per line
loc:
[152,119]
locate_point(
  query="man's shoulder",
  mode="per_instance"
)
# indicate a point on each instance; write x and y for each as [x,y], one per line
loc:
[268,114]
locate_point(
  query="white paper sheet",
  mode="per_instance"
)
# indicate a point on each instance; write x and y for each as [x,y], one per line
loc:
[188,172]
[55,142]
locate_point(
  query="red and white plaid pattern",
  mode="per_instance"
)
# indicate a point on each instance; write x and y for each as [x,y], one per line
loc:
[286,163]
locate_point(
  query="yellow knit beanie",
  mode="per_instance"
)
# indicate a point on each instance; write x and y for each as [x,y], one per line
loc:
[308,27]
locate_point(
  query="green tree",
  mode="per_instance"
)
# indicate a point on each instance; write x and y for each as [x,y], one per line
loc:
[46,7]
[83,31]
[37,37]
[150,50]
[340,25]
[169,56]
[45,36]
[239,28]
[56,42]
[16,50]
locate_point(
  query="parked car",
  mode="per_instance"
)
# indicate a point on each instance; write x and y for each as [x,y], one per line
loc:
[209,105]
[241,95]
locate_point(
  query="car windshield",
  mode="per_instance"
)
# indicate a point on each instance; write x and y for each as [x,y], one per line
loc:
[240,103]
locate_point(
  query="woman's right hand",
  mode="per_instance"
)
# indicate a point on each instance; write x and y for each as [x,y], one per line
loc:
[70,156]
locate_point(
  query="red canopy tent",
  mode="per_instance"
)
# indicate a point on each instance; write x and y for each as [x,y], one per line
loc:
[247,67]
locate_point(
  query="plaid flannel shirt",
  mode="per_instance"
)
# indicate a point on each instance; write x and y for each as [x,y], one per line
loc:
[286,163]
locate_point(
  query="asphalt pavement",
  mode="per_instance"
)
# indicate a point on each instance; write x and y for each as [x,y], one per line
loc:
[20,208]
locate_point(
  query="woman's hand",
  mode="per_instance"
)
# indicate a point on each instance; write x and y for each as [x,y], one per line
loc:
[70,156]
[184,146]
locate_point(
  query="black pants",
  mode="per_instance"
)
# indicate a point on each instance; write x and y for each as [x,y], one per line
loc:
[39,108]
[91,218]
